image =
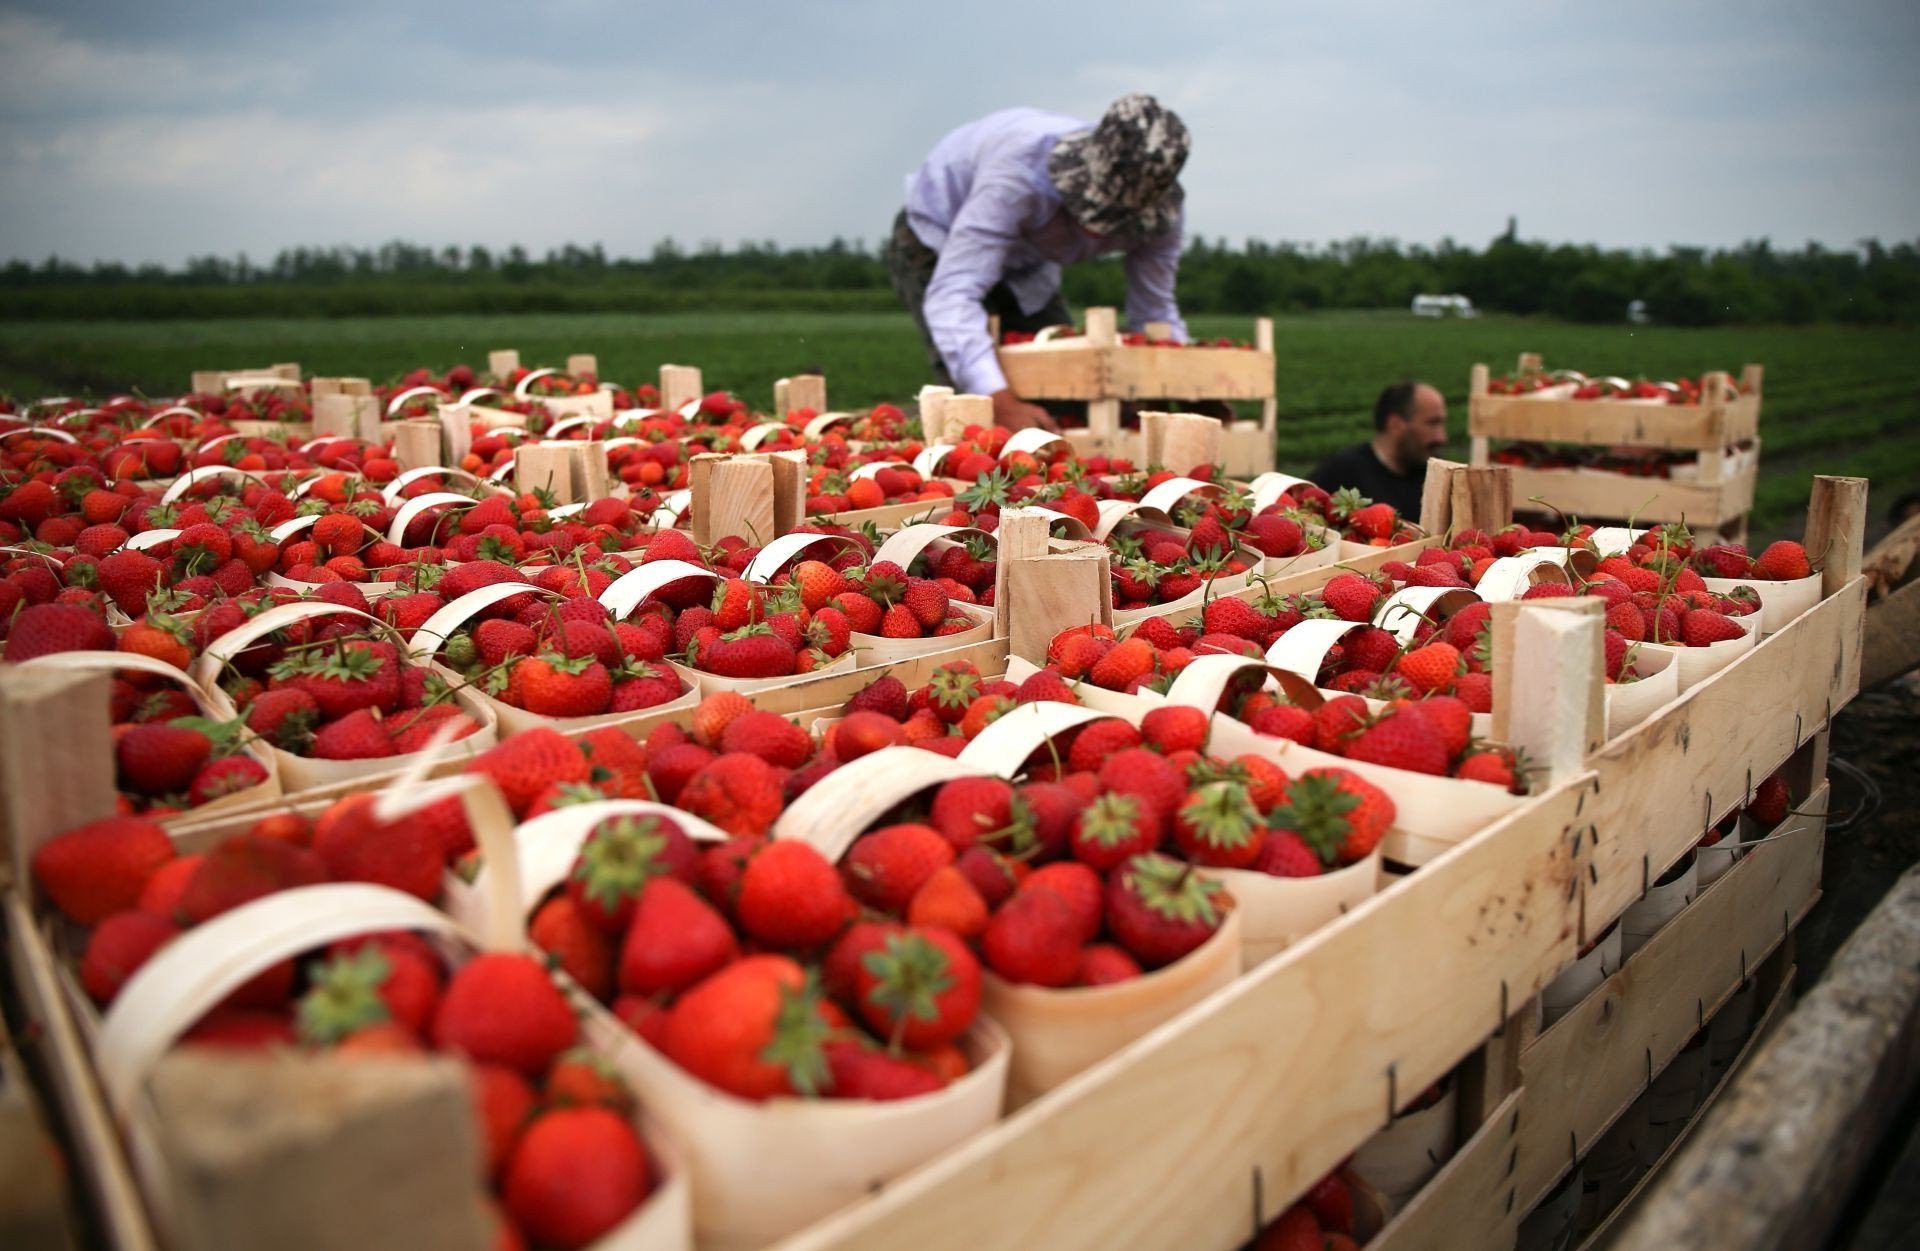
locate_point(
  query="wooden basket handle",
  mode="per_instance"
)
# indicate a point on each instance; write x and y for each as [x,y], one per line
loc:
[628,591]
[839,807]
[399,401]
[433,633]
[397,530]
[1004,746]
[1204,681]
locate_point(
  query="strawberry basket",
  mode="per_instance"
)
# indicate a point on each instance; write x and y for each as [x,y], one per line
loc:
[299,773]
[1055,1032]
[758,1168]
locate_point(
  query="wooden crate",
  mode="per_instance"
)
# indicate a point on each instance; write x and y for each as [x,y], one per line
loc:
[1716,491]
[1102,371]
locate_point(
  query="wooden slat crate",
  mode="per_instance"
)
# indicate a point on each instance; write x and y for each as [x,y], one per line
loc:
[1716,491]
[1099,369]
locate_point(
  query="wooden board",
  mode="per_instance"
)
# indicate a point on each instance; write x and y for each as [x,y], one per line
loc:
[1608,423]
[1470,1203]
[1779,972]
[1592,494]
[1892,646]
[1661,784]
[1581,1073]
[1263,1089]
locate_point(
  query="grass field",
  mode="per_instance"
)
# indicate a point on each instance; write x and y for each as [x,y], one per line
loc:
[1838,399]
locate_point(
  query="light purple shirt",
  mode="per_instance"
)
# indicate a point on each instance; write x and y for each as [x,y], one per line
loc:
[984,201]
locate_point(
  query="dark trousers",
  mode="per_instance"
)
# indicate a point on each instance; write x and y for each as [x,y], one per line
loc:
[910,265]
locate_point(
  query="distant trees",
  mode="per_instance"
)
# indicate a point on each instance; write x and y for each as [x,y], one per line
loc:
[1755,282]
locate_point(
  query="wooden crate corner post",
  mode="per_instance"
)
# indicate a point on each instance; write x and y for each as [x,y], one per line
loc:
[1458,497]
[1479,447]
[369,1153]
[957,412]
[348,416]
[1549,682]
[545,467]
[679,385]
[1103,414]
[1836,529]
[583,364]
[1270,406]
[416,443]
[808,391]
[501,362]
[56,758]
[1041,591]
[731,495]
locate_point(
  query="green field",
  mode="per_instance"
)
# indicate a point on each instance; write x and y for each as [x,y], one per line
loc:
[1838,399]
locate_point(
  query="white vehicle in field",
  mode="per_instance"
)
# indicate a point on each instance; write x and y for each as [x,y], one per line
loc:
[1443,306]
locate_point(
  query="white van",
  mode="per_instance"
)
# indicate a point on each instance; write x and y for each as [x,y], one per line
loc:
[1443,306]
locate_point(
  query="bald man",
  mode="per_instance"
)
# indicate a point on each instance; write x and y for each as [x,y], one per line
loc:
[1409,427]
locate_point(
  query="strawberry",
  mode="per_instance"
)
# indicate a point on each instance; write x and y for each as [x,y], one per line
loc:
[1114,828]
[619,856]
[1148,776]
[1452,719]
[117,948]
[948,900]
[503,1008]
[160,759]
[968,810]
[230,775]
[1103,964]
[1331,1201]
[1400,737]
[1350,597]
[360,735]
[1285,721]
[284,716]
[1129,660]
[574,1175]
[1219,826]
[95,870]
[863,733]
[524,765]
[128,577]
[47,628]
[1340,816]
[884,695]
[575,944]
[584,1079]
[555,685]
[790,896]
[1296,1229]
[1782,561]
[887,868]
[771,737]
[1228,615]
[751,652]
[1493,767]
[356,846]
[858,1071]
[1034,938]
[1703,628]
[921,988]
[1175,727]
[675,939]
[1098,741]
[242,869]
[1771,802]
[410,984]
[1160,910]
[1078,886]
[754,1029]
[1286,854]
[739,793]
[502,1102]
[1430,668]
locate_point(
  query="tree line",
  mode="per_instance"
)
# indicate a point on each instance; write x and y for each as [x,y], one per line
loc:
[1755,282]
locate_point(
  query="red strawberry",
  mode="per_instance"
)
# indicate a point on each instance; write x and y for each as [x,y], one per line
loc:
[1783,560]
[741,794]
[502,1101]
[861,1072]
[503,1008]
[1034,938]
[1096,742]
[754,1029]
[1219,826]
[1771,802]
[1702,628]
[528,763]
[356,846]
[1175,727]
[921,988]
[574,1175]
[1148,775]
[1160,910]
[1340,816]
[284,717]
[98,869]
[1351,597]
[554,685]
[791,897]
[1286,854]
[619,857]
[243,868]
[160,759]
[1401,737]
[948,900]
[1078,886]
[48,628]
[771,737]
[1286,721]
[751,652]
[886,868]
[675,939]
[967,810]
[1103,964]
[1114,828]
[574,944]
[360,735]
[117,948]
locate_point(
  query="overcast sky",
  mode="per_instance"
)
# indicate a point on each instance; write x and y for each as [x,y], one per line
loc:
[153,131]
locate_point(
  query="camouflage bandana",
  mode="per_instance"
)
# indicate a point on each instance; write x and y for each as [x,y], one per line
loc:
[1120,177]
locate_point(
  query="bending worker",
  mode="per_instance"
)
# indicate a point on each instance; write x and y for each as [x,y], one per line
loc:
[1003,202]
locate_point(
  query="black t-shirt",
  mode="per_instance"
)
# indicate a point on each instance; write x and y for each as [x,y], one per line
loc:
[1360,468]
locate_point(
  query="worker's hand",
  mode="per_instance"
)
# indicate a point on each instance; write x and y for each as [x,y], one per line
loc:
[1014,413]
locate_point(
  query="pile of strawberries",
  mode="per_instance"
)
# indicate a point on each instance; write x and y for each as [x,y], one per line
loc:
[1782,561]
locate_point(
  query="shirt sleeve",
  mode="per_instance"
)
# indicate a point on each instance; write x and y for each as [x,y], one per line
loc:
[1151,270]
[972,260]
